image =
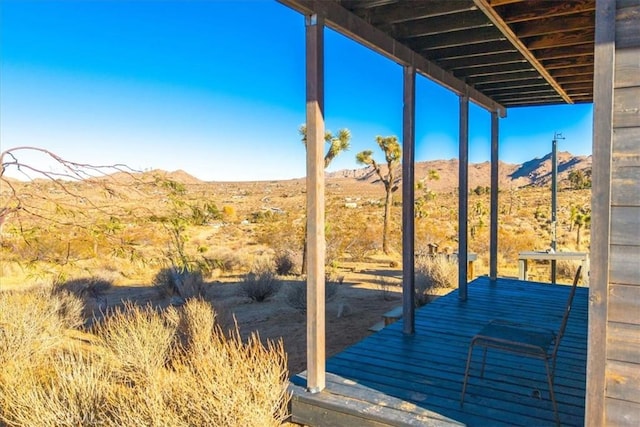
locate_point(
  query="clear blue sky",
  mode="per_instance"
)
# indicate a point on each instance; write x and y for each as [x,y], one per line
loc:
[217,88]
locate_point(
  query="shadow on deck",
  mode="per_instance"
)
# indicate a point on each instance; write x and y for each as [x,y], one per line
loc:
[393,379]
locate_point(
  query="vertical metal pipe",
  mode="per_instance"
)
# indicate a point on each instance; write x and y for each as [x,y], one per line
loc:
[554,201]
[408,199]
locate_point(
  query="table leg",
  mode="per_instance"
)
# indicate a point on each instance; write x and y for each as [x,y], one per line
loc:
[522,269]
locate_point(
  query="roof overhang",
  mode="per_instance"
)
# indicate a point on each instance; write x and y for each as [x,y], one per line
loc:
[499,53]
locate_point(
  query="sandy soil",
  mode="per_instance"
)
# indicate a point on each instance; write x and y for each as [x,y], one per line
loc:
[359,304]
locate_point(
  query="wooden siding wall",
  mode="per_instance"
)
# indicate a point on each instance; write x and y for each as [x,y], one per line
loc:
[622,395]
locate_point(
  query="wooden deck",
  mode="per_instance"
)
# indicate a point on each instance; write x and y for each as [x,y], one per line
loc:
[392,379]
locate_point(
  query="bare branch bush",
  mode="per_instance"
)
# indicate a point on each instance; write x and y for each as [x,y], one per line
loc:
[141,367]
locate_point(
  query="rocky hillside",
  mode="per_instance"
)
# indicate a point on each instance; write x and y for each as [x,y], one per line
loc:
[535,172]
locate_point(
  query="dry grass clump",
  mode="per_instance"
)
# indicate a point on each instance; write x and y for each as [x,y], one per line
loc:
[567,269]
[142,367]
[260,284]
[297,294]
[285,263]
[434,273]
[32,322]
[182,283]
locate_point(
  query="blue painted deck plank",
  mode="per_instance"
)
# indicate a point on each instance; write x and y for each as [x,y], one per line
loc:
[427,369]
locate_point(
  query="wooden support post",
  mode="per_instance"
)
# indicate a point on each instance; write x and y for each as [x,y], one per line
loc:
[408,198]
[315,205]
[493,232]
[603,97]
[463,197]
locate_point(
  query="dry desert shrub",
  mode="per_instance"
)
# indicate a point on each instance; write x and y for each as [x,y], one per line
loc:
[220,380]
[32,323]
[141,338]
[434,273]
[144,367]
[284,261]
[297,294]
[178,282]
[260,285]
[226,260]
[567,269]
[72,389]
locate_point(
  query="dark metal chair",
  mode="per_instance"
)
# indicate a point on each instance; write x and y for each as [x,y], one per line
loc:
[523,339]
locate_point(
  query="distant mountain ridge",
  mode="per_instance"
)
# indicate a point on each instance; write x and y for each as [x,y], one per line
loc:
[535,172]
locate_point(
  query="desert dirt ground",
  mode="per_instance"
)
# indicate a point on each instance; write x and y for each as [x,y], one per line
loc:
[359,304]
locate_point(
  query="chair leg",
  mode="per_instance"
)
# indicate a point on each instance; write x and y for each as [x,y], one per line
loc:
[484,360]
[466,374]
[551,393]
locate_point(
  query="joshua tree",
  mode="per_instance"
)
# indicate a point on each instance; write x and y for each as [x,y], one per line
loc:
[392,152]
[337,144]
[581,218]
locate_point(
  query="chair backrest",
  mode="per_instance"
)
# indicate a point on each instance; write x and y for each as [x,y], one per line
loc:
[565,317]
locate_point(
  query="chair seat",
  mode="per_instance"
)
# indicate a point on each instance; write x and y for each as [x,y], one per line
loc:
[516,337]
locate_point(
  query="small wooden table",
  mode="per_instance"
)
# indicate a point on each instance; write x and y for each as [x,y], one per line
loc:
[523,258]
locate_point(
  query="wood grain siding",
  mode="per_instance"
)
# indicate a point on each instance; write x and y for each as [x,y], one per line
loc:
[624,342]
[628,67]
[622,392]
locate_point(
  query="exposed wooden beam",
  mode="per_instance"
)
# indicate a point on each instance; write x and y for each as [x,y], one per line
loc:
[583,79]
[570,38]
[574,71]
[490,70]
[476,49]
[533,10]
[495,59]
[583,99]
[365,4]
[531,88]
[503,2]
[579,87]
[566,52]
[408,199]
[399,12]
[522,91]
[528,76]
[508,99]
[456,38]
[535,102]
[578,61]
[516,84]
[552,25]
[315,204]
[426,27]
[338,18]
[509,34]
